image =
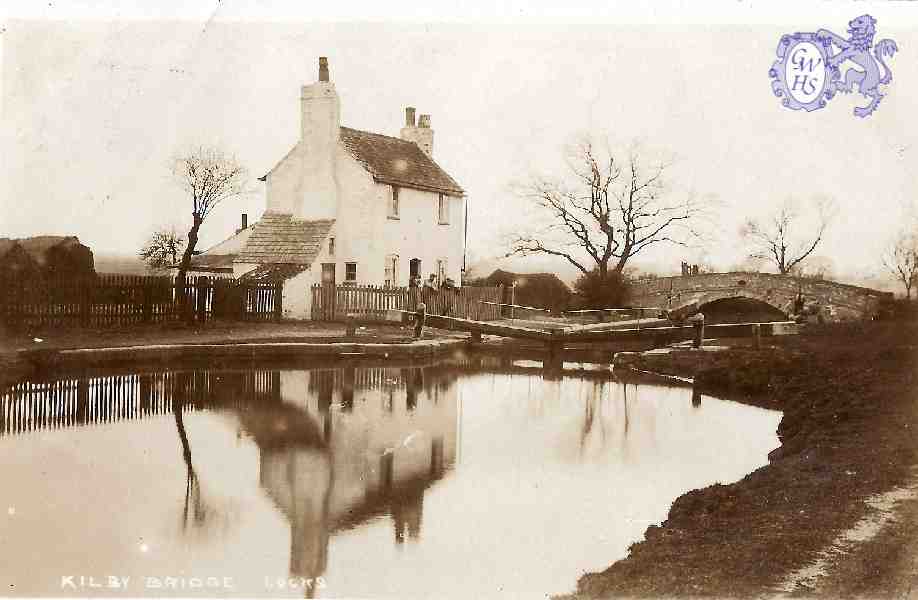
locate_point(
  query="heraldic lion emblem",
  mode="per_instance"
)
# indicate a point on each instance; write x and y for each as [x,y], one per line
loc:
[857,49]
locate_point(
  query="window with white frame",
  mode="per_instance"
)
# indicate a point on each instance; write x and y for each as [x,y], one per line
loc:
[393,202]
[350,272]
[443,210]
[390,276]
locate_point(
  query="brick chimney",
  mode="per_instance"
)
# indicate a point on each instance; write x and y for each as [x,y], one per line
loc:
[421,134]
[320,112]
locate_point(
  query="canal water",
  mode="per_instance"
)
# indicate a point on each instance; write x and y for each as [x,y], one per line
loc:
[465,478]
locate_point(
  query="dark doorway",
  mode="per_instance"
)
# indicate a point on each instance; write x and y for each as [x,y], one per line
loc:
[414,267]
[328,273]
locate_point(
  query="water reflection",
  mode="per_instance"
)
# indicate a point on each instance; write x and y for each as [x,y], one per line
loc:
[352,474]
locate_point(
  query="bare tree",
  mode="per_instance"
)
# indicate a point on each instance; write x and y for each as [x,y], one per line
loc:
[208,176]
[163,249]
[777,239]
[901,259]
[605,211]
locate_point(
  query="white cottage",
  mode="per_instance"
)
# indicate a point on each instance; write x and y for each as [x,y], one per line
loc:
[350,206]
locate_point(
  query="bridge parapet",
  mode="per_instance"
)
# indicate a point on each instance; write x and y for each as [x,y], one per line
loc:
[842,301]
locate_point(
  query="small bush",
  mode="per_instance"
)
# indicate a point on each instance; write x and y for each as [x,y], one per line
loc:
[595,291]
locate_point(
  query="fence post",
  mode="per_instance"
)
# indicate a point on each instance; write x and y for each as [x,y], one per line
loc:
[278,300]
[85,305]
[201,297]
[146,309]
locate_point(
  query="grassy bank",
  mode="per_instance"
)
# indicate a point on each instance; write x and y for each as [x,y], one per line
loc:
[848,394]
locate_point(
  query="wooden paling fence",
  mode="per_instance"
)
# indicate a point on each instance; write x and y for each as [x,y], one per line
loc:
[121,300]
[79,401]
[368,302]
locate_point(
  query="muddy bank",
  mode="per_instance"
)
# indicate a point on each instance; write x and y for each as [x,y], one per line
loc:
[848,395]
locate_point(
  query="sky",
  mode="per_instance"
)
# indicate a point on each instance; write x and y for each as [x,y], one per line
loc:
[96,99]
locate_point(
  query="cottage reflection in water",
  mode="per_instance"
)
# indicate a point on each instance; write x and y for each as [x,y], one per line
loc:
[485,477]
[337,446]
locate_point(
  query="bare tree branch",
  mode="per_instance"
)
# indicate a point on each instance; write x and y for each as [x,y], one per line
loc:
[777,243]
[163,248]
[901,257]
[208,176]
[606,211]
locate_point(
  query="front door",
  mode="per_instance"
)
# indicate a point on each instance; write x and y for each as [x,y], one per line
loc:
[328,273]
[328,292]
[414,267]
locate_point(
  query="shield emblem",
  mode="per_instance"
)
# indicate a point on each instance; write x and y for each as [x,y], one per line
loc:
[801,76]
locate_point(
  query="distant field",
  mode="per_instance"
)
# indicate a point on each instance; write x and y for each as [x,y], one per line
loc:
[120,264]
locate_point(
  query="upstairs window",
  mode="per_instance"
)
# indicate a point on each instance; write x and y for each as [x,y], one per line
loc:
[393,202]
[350,272]
[331,246]
[443,210]
[390,276]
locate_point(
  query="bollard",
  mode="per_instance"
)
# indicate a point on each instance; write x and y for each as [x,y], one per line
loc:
[420,316]
[351,324]
[756,336]
[697,321]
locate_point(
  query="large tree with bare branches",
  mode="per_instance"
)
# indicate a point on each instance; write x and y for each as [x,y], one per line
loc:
[606,211]
[901,257]
[789,235]
[208,176]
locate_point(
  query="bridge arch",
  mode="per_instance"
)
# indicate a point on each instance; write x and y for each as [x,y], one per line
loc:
[752,307]
[776,303]
[779,291]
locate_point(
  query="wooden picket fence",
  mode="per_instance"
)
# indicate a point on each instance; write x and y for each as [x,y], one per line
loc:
[123,300]
[371,303]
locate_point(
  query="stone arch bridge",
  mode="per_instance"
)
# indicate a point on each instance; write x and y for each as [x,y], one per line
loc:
[840,301]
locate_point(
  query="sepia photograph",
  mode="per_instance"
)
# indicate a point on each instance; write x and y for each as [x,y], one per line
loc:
[499,300]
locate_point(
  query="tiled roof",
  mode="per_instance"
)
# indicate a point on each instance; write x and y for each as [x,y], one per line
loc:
[279,238]
[397,161]
[274,272]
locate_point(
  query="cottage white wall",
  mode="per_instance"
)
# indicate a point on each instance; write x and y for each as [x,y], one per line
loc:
[418,234]
[282,184]
[296,294]
[356,239]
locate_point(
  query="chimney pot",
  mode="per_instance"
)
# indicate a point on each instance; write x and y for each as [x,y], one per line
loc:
[323,68]
[409,116]
[424,121]
[245,221]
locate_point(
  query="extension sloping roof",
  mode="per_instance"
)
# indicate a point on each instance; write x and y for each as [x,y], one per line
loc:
[279,238]
[396,161]
[212,262]
[273,272]
[220,258]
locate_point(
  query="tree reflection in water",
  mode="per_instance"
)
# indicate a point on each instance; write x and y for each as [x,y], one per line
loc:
[195,510]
